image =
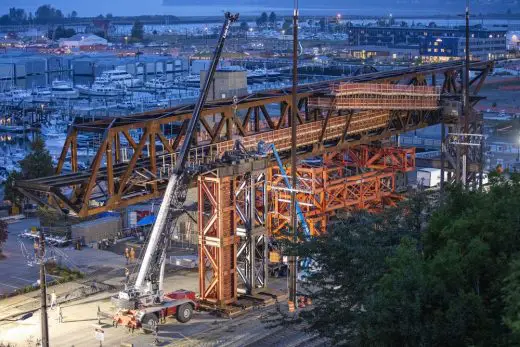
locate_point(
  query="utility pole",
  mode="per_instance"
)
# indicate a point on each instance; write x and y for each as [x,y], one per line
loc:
[466,99]
[43,292]
[294,222]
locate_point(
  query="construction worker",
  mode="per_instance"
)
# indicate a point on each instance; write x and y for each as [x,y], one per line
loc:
[156,332]
[162,316]
[60,314]
[132,254]
[127,254]
[54,299]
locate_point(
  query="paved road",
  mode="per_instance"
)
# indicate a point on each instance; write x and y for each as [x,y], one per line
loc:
[204,330]
[16,273]
[77,330]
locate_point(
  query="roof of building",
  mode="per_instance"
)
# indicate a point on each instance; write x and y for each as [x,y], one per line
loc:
[82,37]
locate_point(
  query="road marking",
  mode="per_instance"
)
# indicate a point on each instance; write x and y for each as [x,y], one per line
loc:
[23,279]
[8,285]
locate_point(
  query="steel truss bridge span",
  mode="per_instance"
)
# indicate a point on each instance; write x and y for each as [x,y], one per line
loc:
[135,154]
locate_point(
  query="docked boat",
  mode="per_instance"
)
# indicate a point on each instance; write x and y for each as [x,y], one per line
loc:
[12,128]
[101,89]
[18,95]
[158,83]
[121,78]
[63,90]
[41,95]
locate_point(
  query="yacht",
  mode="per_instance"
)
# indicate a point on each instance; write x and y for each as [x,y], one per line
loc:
[158,83]
[63,90]
[42,95]
[121,77]
[18,95]
[101,89]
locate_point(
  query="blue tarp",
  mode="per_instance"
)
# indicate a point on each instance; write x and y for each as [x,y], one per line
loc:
[108,214]
[150,219]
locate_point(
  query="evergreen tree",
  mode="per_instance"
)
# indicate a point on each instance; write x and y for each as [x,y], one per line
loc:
[11,193]
[137,32]
[38,163]
[420,274]
[244,26]
[272,19]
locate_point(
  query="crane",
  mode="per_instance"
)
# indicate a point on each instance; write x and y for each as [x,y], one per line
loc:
[144,300]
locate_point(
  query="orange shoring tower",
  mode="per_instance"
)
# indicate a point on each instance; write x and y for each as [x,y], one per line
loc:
[331,186]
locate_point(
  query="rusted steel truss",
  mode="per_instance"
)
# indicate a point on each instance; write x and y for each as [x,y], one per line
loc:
[135,154]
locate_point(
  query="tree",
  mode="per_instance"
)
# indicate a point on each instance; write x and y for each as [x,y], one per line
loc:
[448,289]
[262,20]
[421,274]
[47,14]
[11,193]
[244,26]
[61,32]
[511,292]
[137,32]
[5,20]
[3,234]
[17,15]
[109,16]
[322,24]
[287,24]
[272,19]
[74,15]
[350,259]
[38,163]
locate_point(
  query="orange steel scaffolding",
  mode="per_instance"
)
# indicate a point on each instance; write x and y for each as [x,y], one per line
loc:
[377,96]
[323,190]
[376,158]
[310,133]
[217,240]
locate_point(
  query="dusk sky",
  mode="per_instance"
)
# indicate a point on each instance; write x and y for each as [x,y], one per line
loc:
[199,7]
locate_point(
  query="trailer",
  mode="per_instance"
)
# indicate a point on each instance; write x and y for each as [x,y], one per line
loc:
[429,177]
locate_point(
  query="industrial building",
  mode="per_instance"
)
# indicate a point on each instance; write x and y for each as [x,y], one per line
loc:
[84,42]
[228,82]
[484,43]
[439,48]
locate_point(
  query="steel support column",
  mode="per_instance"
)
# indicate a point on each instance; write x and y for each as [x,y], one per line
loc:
[251,212]
[218,241]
